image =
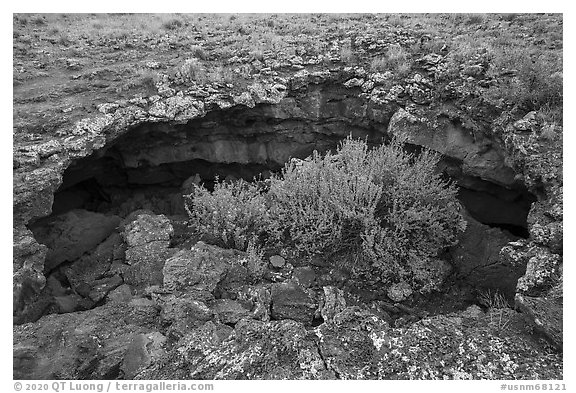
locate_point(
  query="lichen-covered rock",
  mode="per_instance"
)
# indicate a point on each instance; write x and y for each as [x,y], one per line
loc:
[543,269]
[351,342]
[332,303]
[545,314]
[175,364]
[148,240]
[70,235]
[183,313]
[291,301]
[545,228]
[27,267]
[399,292]
[359,345]
[198,270]
[81,345]
[254,350]
[229,311]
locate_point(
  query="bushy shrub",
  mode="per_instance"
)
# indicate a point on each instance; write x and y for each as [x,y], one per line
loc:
[231,216]
[172,24]
[396,59]
[384,207]
[193,70]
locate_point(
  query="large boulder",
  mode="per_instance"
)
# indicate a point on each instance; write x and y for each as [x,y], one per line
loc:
[90,275]
[147,240]
[540,290]
[71,234]
[253,350]
[291,301]
[477,258]
[201,269]
[27,266]
[81,345]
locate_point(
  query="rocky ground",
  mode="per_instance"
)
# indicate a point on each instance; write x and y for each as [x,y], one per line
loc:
[115,116]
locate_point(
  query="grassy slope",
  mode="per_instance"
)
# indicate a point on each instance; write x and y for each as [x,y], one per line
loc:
[66,64]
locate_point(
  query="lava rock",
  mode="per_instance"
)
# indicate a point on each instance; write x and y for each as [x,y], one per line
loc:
[183,314]
[229,311]
[70,235]
[399,291]
[479,160]
[253,350]
[94,266]
[277,261]
[333,303]
[147,239]
[180,361]
[198,270]
[291,301]
[80,345]
[477,258]
[546,315]
[142,351]
[122,294]
[28,265]
[305,276]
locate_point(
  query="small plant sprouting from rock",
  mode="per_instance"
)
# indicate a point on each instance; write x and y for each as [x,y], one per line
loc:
[498,309]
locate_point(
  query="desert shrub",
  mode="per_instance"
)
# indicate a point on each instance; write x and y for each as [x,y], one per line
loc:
[538,82]
[396,59]
[172,24]
[193,70]
[233,215]
[198,52]
[384,207]
[474,19]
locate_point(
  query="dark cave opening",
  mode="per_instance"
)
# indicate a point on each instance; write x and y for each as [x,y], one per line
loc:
[125,177]
[150,167]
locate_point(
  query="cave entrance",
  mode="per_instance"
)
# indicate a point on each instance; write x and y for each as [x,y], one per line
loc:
[148,166]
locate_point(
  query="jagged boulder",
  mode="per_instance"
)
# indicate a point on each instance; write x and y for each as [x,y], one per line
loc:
[253,350]
[147,240]
[143,350]
[291,301]
[90,275]
[477,258]
[81,345]
[71,234]
[27,266]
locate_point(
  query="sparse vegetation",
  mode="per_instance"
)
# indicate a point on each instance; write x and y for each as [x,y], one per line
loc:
[498,309]
[396,59]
